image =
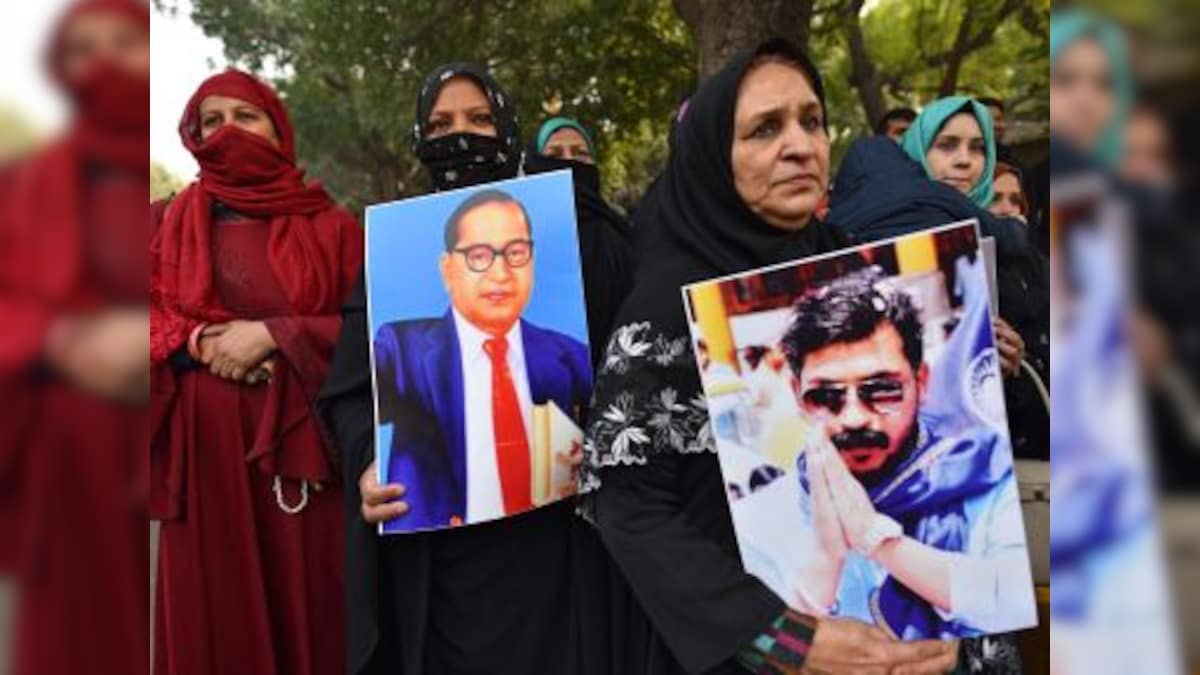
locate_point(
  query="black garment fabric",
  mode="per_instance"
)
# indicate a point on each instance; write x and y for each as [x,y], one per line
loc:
[460,159]
[605,247]
[1167,256]
[689,604]
[1023,282]
[657,497]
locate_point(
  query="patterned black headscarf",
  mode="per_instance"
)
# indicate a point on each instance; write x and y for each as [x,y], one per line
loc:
[459,159]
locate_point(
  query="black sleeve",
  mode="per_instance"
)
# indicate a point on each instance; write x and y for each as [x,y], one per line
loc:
[667,526]
[345,401]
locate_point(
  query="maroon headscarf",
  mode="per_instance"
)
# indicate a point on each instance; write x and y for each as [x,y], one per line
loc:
[41,209]
[252,176]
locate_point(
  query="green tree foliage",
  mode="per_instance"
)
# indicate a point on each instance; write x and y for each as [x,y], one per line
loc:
[17,135]
[163,183]
[350,69]
[920,50]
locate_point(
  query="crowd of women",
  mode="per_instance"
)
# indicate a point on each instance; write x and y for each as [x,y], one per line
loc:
[260,411]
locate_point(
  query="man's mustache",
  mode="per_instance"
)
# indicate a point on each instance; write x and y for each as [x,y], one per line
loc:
[857,439]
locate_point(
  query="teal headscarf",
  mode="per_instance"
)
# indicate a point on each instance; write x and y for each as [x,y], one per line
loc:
[1070,25]
[554,124]
[919,137]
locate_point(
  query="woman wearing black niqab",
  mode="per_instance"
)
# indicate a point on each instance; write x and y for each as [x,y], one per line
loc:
[605,246]
[490,598]
[658,500]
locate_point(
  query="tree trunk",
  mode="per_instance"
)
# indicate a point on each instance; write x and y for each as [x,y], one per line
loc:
[723,27]
[863,73]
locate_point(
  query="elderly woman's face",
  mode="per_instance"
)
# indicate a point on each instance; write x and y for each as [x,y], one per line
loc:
[217,111]
[780,151]
[104,36]
[958,153]
[568,143]
[461,107]
[1082,101]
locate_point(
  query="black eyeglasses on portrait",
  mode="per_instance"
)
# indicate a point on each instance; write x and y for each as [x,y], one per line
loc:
[880,395]
[480,257]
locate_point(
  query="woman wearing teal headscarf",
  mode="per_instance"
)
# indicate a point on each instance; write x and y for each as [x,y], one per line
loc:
[564,138]
[952,138]
[1091,84]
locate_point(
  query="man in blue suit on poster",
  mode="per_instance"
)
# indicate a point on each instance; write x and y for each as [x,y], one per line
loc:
[458,390]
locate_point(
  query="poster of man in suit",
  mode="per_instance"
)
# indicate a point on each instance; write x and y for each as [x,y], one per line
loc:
[479,349]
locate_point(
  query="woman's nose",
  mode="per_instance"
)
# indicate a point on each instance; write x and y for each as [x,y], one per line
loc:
[797,142]
[460,124]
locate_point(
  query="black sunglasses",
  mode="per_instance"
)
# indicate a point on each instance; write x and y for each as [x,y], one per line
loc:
[882,396]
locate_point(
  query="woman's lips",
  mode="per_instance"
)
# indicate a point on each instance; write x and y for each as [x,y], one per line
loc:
[801,180]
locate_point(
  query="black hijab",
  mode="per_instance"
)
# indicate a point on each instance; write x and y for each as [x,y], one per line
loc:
[648,398]
[461,159]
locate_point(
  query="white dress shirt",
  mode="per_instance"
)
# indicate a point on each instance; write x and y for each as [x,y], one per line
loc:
[485,500]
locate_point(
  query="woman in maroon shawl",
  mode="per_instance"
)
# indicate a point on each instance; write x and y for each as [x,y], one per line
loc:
[249,266]
[73,227]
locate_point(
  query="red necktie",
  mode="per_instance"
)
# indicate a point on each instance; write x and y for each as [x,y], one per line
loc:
[512,446]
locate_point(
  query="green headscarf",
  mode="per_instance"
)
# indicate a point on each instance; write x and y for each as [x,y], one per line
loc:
[1071,25]
[919,137]
[554,124]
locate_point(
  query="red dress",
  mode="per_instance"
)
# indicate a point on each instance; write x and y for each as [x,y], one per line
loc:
[243,585]
[76,536]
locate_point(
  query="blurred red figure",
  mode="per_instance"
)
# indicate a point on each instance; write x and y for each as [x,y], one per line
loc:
[73,356]
[250,265]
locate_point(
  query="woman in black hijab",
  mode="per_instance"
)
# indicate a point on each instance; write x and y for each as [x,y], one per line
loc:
[605,246]
[466,131]
[489,598]
[748,166]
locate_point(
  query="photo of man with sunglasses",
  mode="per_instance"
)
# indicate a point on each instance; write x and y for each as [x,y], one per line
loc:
[905,521]
[459,389]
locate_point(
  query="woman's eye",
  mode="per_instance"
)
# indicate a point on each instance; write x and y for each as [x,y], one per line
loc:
[210,122]
[813,124]
[482,120]
[766,129]
[947,146]
[978,148]
[437,125]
